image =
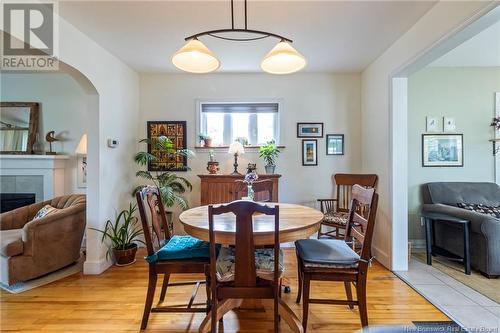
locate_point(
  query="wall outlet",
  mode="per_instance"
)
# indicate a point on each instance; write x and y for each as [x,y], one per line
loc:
[113,143]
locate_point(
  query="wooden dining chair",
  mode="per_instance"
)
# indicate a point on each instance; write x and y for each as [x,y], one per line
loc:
[242,271]
[336,210]
[263,190]
[334,260]
[169,254]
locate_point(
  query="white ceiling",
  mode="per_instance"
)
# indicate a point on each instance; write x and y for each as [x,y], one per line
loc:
[334,36]
[482,50]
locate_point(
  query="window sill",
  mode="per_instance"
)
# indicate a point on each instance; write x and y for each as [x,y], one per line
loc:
[225,148]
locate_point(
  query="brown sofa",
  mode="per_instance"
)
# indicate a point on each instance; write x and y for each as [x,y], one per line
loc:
[29,249]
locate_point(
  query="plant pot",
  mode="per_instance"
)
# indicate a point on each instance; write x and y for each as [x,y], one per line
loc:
[208,142]
[125,257]
[270,169]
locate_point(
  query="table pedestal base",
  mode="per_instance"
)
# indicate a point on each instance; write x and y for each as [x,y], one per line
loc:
[227,305]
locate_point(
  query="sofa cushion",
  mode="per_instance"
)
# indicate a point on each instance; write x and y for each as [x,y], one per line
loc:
[326,253]
[264,264]
[181,247]
[44,211]
[483,209]
[11,243]
[449,193]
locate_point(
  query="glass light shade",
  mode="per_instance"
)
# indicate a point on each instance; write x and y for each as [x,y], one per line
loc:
[236,148]
[81,149]
[195,57]
[283,59]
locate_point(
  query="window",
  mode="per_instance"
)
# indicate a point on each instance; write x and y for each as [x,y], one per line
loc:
[255,123]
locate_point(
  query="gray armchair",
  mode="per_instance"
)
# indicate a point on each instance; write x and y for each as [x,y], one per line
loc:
[29,249]
[443,197]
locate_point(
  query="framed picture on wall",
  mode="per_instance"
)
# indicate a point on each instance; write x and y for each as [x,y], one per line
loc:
[335,144]
[309,152]
[442,150]
[309,130]
[432,124]
[81,170]
[449,124]
[176,132]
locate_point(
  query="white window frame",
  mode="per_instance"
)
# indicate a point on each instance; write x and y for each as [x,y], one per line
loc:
[201,102]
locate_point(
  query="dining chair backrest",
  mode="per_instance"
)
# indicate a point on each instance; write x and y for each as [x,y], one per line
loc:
[245,272]
[156,229]
[359,226]
[263,190]
[344,183]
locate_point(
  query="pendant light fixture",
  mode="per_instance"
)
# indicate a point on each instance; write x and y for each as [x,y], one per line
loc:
[195,57]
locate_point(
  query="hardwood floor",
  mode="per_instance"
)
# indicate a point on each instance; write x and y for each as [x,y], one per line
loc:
[114,300]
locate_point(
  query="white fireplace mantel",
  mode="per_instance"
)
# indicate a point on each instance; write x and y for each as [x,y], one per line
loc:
[50,167]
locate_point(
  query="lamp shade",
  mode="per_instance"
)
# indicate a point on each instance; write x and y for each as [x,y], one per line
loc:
[81,149]
[283,59]
[236,148]
[195,57]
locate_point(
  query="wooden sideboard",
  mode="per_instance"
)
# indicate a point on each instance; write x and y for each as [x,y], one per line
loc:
[216,189]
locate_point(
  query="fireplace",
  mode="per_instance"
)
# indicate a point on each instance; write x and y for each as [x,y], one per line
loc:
[11,201]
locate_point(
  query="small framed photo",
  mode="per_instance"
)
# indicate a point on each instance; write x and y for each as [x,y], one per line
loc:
[432,124]
[449,124]
[309,130]
[442,150]
[335,144]
[309,152]
[81,170]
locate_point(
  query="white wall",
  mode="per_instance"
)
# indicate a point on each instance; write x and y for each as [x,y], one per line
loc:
[332,99]
[114,109]
[466,94]
[63,109]
[390,233]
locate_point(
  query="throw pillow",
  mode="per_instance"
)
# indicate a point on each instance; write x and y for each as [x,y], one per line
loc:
[44,211]
[479,208]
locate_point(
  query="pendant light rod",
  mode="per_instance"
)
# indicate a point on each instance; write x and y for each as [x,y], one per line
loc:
[263,34]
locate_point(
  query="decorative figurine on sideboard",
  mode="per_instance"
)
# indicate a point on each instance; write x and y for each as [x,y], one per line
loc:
[252,167]
[212,164]
[50,137]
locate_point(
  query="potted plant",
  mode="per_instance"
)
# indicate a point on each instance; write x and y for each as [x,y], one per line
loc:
[206,139]
[269,152]
[170,185]
[123,235]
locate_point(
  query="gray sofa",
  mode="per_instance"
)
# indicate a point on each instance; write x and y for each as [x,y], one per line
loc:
[442,197]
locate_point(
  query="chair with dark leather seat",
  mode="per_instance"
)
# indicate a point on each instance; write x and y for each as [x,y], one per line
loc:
[335,260]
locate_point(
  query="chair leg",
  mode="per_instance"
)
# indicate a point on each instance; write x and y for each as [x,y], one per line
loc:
[361,294]
[276,312]
[149,299]
[300,283]
[164,286]
[348,292]
[213,319]
[305,305]
[319,231]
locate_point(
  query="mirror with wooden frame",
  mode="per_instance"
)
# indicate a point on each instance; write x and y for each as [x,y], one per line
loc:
[18,127]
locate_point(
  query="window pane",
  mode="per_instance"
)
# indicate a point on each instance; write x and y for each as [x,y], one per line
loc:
[215,127]
[239,125]
[265,125]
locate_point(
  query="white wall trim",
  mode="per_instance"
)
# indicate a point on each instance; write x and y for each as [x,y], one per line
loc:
[399,171]
[497,136]
[96,267]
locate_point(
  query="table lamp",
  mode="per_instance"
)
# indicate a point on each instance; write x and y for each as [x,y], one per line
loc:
[236,148]
[81,149]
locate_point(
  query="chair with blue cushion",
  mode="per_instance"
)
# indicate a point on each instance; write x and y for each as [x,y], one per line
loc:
[169,254]
[335,260]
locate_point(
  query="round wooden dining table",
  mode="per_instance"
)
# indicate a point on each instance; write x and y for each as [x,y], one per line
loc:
[295,222]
